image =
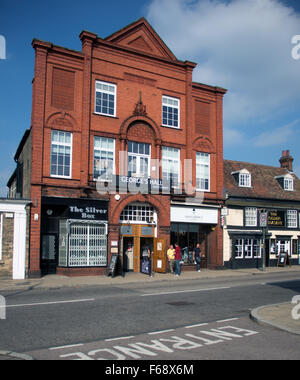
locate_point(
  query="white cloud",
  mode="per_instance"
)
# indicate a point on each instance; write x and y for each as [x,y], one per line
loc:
[276,136]
[242,45]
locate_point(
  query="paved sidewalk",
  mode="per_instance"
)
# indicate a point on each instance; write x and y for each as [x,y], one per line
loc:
[57,281]
[279,316]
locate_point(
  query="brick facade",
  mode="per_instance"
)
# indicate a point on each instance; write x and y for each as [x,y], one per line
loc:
[143,70]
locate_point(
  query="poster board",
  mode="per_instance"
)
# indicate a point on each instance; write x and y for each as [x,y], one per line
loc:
[113,265]
[283,259]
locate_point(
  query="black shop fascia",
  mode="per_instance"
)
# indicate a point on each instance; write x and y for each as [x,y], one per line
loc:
[61,217]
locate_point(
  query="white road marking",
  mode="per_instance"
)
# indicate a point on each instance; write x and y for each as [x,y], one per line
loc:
[227,320]
[160,332]
[183,291]
[63,347]
[51,303]
[122,338]
[199,325]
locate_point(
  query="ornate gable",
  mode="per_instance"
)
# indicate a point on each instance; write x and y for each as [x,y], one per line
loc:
[140,36]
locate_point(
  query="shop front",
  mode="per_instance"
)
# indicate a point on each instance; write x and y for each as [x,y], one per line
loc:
[191,225]
[74,236]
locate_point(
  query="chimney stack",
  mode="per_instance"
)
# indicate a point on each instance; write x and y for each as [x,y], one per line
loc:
[286,161]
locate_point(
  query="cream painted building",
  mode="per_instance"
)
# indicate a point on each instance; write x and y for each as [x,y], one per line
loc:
[257,196]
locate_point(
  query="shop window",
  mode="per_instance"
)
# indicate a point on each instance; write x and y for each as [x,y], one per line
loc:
[171,165]
[105,98]
[247,248]
[203,171]
[139,156]
[61,154]
[82,244]
[187,235]
[239,249]
[104,157]
[170,112]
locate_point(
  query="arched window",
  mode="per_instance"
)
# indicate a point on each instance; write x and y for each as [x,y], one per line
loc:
[137,212]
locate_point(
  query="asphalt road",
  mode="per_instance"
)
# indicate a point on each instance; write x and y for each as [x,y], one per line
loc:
[70,323]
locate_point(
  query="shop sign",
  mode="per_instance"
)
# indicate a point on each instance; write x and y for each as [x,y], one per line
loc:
[88,210]
[194,215]
[276,218]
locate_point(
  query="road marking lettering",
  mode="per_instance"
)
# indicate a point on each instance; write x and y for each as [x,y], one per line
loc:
[142,347]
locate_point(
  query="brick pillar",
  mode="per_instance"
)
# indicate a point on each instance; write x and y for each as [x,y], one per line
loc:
[87,48]
[35,233]
[37,130]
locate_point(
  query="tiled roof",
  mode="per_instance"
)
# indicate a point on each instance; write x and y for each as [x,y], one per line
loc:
[263,182]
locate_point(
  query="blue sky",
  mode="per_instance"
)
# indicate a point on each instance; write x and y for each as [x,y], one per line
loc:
[242,45]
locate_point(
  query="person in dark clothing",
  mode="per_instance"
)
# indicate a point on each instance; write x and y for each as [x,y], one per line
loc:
[197,257]
[177,260]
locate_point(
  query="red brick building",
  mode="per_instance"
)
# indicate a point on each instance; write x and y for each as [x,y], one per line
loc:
[124,93]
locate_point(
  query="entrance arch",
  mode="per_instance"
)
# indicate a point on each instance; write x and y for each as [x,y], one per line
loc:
[139,230]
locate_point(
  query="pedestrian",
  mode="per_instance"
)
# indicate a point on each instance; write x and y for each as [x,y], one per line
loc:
[197,257]
[171,258]
[150,262]
[177,260]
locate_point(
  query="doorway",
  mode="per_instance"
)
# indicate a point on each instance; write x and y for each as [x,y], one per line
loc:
[49,259]
[146,244]
[128,249]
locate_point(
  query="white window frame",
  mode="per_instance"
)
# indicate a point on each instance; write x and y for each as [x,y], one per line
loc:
[173,162]
[244,180]
[82,250]
[258,247]
[202,164]
[110,90]
[104,149]
[248,248]
[65,145]
[239,249]
[139,157]
[170,102]
[250,217]
[292,218]
[143,213]
[288,184]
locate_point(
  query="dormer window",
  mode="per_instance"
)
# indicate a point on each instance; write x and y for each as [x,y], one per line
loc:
[243,177]
[289,184]
[286,182]
[245,180]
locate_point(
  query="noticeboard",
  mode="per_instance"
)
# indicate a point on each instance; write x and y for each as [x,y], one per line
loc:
[113,265]
[283,259]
